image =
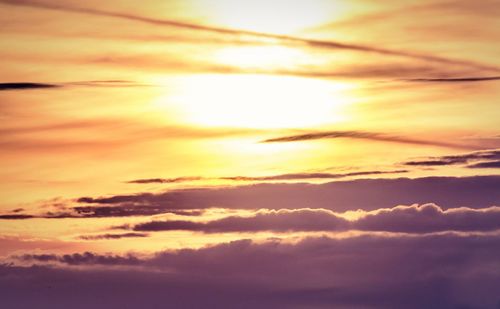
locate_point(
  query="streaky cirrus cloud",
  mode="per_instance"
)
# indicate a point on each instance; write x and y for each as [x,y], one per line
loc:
[374,272]
[228,31]
[365,136]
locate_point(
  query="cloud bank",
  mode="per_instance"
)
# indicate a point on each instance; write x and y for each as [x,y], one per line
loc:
[445,271]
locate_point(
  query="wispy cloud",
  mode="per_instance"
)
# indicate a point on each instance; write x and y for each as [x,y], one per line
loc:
[365,136]
[290,176]
[487,157]
[164,180]
[487,164]
[94,83]
[87,258]
[456,80]
[25,86]
[113,236]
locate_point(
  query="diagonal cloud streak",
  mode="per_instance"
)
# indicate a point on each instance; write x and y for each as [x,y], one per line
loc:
[455,80]
[366,136]
[220,30]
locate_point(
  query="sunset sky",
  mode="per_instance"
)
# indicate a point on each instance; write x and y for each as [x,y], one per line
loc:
[250,154]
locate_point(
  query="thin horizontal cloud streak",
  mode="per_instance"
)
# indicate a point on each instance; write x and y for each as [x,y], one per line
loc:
[488,164]
[456,79]
[226,31]
[290,176]
[164,180]
[95,83]
[113,236]
[365,136]
[25,86]
[86,258]
[485,157]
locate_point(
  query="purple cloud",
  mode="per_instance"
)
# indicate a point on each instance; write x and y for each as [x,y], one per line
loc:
[407,219]
[445,271]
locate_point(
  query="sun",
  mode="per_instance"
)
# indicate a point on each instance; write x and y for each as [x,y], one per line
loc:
[256,101]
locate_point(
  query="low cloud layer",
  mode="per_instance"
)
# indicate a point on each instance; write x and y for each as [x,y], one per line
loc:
[448,271]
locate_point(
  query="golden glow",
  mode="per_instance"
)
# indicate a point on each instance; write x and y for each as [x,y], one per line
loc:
[277,16]
[262,57]
[257,101]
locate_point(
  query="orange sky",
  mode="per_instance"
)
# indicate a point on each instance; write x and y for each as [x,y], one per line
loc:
[190,90]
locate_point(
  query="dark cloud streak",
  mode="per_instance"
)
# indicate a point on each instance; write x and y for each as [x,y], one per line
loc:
[364,136]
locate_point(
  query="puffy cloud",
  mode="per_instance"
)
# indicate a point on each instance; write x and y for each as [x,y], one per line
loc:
[426,218]
[366,194]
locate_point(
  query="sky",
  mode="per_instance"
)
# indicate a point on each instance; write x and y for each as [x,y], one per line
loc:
[250,154]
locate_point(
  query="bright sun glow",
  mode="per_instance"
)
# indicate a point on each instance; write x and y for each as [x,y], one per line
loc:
[277,16]
[256,101]
[262,57]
